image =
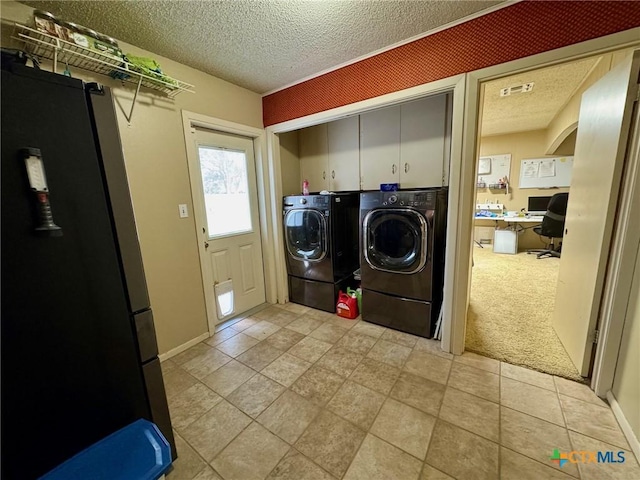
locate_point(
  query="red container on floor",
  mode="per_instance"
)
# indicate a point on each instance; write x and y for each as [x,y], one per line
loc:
[347,307]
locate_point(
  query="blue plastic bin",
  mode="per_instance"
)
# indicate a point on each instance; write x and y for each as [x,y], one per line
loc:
[136,452]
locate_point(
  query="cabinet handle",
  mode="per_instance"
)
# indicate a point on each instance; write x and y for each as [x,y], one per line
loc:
[333,174]
[324,175]
[406,168]
[393,168]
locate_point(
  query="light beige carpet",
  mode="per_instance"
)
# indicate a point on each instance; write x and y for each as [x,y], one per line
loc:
[512,300]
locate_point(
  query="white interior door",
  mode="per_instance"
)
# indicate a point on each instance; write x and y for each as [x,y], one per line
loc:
[226,207]
[603,132]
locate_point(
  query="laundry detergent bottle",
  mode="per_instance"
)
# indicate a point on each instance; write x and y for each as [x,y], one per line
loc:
[347,306]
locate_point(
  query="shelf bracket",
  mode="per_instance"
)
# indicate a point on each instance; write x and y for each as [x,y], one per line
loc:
[133,103]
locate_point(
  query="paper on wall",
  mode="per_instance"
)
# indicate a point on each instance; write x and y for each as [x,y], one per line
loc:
[531,170]
[547,168]
[484,166]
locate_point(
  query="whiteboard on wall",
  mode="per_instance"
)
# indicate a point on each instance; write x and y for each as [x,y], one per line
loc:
[546,172]
[492,168]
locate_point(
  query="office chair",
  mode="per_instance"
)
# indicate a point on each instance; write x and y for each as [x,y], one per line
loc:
[552,226]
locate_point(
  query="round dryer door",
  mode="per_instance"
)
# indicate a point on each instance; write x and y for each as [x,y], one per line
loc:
[395,240]
[306,234]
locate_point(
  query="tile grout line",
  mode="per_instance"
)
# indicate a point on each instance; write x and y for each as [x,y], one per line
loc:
[473,394]
[438,419]
[591,437]
[320,407]
[288,388]
[524,381]
[324,406]
[368,431]
[252,419]
[500,421]
[536,461]
[239,433]
[536,418]
[291,447]
[207,464]
[387,396]
[564,419]
[229,443]
[198,381]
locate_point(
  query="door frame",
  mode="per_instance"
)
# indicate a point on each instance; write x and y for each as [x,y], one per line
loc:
[455,85]
[191,120]
[464,148]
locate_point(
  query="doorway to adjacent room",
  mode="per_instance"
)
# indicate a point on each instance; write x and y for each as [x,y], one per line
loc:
[526,141]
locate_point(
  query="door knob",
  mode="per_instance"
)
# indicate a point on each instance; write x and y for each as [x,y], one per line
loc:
[206,245]
[406,168]
[333,174]
[393,168]
[324,175]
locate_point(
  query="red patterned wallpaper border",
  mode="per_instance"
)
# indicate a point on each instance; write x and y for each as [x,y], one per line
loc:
[516,31]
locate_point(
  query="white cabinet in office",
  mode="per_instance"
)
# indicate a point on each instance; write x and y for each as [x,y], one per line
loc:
[314,157]
[379,147]
[422,142]
[344,154]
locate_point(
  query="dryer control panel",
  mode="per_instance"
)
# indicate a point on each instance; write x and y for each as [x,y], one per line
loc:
[423,200]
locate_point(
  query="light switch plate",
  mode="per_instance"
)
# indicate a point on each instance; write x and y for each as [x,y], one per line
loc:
[182,208]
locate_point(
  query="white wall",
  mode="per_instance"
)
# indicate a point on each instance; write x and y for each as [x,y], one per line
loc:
[156,163]
[520,145]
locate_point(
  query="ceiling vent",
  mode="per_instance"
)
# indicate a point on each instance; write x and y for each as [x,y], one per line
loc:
[524,88]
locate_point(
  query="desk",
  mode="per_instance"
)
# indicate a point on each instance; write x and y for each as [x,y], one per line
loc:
[514,220]
[513,223]
[532,219]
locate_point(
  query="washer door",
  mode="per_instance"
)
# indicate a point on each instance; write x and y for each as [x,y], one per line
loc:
[395,240]
[306,234]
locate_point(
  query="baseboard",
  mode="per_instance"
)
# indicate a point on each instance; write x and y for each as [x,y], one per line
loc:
[624,424]
[179,349]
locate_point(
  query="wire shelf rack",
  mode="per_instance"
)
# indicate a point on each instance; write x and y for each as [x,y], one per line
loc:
[60,51]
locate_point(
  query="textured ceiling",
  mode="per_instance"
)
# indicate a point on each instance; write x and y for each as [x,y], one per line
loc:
[263,45]
[534,110]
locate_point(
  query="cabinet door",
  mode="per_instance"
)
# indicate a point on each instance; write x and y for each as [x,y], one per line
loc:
[314,159]
[380,147]
[344,154]
[422,142]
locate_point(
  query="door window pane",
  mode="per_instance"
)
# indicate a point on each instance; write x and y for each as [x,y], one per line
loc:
[226,191]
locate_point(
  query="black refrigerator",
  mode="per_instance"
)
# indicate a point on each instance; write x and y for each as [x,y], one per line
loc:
[79,353]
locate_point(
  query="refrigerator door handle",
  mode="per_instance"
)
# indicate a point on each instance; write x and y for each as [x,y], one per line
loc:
[146,333]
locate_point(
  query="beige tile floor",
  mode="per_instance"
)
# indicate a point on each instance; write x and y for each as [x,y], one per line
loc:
[293,393]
